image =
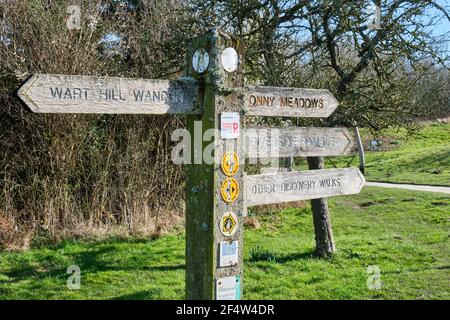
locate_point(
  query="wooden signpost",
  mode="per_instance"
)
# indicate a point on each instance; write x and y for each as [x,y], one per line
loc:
[214,201]
[50,93]
[289,102]
[217,193]
[307,185]
[298,142]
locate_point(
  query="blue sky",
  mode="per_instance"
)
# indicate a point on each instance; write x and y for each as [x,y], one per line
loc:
[444,25]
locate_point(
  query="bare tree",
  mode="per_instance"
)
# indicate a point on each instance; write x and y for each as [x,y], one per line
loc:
[372,67]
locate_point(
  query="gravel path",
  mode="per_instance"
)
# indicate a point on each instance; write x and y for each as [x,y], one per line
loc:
[409,187]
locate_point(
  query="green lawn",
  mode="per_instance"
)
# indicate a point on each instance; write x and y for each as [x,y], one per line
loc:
[420,159]
[405,233]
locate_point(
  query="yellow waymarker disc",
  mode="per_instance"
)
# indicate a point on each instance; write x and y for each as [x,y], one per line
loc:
[230,163]
[228,224]
[230,190]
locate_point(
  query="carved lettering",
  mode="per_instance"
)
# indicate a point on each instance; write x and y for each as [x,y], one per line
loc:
[157,96]
[297,185]
[263,188]
[261,101]
[319,142]
[111,95]
[330,183]
[69,93]
[302,103]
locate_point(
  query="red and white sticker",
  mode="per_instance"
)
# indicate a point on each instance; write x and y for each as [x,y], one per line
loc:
[230,125]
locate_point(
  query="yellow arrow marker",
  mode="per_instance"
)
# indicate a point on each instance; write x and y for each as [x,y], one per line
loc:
[228,224]
[230,163]
[230,190]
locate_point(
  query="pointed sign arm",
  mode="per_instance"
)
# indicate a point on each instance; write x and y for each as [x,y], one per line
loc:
[305,185]
[52,93]
[289,102]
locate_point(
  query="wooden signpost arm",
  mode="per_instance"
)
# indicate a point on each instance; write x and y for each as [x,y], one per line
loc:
[325,245]
[56,93]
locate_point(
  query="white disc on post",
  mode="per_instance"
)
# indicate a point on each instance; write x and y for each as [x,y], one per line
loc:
[230,59]
[200,60]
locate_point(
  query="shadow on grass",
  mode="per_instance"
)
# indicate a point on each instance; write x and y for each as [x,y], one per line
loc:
[92,243]
[258,255]
[141,295]
[89,261]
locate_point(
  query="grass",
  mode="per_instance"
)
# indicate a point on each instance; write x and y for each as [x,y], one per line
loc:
[405,233]
[420,159]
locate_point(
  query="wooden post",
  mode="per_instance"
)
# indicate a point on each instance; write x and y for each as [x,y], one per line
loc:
[325,245]
[205,204]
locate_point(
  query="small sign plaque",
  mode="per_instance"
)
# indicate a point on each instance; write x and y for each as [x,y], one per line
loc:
[228,288]
[230,190]
[228,224]
[230,163]
[230,59]
[200,60]
[230,125]
[229,252]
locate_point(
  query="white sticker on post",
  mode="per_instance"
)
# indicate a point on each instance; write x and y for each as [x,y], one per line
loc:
[230,59]
[228,288]
[230,125]
[200,60]
[229,252]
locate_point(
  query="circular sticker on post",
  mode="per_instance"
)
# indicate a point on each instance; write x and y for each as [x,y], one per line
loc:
[230,163]
[230,190]
[200,60]
[230,59]
[228,224]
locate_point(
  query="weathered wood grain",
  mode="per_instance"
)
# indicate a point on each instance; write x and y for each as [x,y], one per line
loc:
[204,203]
[305,185]
[262,142]
[289,102]
[50,93]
